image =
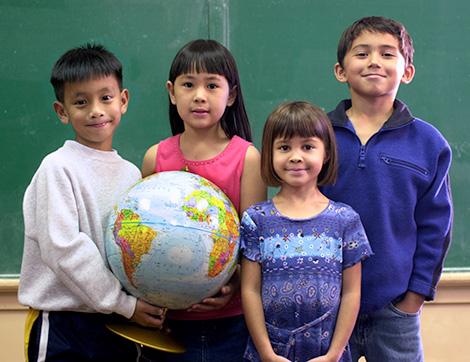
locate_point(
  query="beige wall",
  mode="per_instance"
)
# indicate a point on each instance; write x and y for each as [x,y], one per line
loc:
[445,322]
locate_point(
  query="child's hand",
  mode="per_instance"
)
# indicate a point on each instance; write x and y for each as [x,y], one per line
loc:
[216,302]
[227,292]
[148,315]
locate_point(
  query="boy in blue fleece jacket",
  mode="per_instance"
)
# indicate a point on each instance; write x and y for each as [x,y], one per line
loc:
[393,170]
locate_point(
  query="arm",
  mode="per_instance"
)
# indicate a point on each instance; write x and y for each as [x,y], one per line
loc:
[58,227]
[348,311]
[433,218]
[252,187]
[148,164]
[253,309]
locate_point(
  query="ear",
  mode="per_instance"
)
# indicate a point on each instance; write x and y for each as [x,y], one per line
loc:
[171,92]
[232,96]
[340,73]
[408,74]
[124,101]
[61,112]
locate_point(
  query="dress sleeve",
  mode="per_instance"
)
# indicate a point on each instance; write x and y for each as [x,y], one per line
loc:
[355,243]
[250,239]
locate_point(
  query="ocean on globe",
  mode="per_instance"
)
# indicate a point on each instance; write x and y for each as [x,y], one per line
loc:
[173,240]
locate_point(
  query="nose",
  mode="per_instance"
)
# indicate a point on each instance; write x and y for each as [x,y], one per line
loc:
[374,59]
[295,158]
[200,95]
[96,110]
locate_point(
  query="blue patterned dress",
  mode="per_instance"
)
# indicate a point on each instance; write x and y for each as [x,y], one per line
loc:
[302,261]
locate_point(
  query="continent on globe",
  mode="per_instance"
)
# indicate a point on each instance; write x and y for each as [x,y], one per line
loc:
[134,239]
[201,206]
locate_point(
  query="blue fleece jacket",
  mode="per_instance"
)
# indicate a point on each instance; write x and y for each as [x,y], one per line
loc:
[399,184]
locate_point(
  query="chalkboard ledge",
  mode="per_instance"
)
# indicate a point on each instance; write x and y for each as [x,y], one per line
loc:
[8,285]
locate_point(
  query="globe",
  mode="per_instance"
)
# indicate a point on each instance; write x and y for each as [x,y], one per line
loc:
[173,239]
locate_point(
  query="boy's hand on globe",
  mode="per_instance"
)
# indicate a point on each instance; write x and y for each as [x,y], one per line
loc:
[148,315]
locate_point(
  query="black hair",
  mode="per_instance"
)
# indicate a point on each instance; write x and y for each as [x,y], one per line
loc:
[381,25]
[83,63]
[212,57]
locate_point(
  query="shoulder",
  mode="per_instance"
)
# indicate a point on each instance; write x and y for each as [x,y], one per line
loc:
[60,159]
[148,163]
[342,211]
[261,209]
[428,130]
[252,155]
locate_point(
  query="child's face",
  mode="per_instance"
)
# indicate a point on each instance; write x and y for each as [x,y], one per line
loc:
[374,66]
[94,108]
[201,98]
[299,160]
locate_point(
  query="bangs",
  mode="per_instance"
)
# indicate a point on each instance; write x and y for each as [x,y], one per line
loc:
[204,57]
[298,123]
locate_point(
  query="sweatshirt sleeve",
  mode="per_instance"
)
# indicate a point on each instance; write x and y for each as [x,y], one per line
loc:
[434,217]
[70,261]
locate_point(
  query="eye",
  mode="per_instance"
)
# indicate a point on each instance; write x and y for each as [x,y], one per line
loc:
[212,86]
[188,85]
[362,55]
[308,147]
[284,148]
[80,102]
[107,98]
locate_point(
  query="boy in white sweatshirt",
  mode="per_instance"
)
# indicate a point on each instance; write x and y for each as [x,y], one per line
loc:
[65,278]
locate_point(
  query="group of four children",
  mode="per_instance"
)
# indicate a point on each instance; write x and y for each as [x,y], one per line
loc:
[368,180]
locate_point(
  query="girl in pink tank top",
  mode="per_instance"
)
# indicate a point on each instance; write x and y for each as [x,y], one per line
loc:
[211,138]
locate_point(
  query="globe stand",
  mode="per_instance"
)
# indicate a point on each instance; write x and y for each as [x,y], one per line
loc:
[150,337]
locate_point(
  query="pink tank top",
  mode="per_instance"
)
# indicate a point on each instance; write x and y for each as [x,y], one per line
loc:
[225,170]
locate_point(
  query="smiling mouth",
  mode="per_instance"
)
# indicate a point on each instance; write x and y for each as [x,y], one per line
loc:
[374,75]
[99,125]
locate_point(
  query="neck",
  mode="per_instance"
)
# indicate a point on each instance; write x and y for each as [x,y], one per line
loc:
[300,202]
[371,110]
[202,144]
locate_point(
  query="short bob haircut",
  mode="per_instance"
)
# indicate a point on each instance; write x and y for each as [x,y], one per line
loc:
[84,63]
[375,24]
[209,56]
[304,119]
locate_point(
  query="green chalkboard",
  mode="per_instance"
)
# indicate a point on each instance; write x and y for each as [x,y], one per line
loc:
[285,50]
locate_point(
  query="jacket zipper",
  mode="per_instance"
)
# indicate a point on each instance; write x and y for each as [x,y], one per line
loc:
[394,161]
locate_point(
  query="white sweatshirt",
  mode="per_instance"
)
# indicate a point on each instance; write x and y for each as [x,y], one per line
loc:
[66,209]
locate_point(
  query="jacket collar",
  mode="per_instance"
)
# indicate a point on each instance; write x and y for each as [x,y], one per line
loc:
[400,116]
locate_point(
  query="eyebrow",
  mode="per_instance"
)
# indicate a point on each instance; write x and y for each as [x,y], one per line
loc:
[313,139]
[386,46]
[210,77]
[102,90]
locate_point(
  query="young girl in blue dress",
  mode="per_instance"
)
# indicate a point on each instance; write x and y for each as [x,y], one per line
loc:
[301,265]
